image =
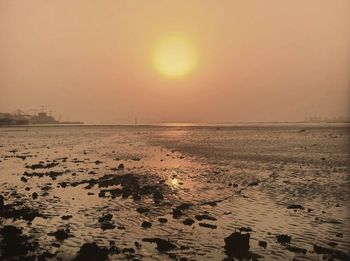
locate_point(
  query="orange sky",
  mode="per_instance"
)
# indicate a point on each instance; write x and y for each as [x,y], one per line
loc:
[258,60]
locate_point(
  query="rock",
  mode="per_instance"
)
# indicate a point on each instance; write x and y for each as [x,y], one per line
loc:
[208,225]
[263,243]
[188,222]
[14,245]
[162,245]
[142,210]
[295,206]
[146,224]
[23,179]
[237,245]
[107,225]
[296,249]
[55,244]
[254,183]
[42,166]
[158,196]
[205,216]
[177,213]
[332,244]
[8,211]
[34,195]
[162,220]
[91,251]
[332,254]
[66,217]
[120,166]
[97,162]
[60,234]
[104,218]
[283,239]
[128,250]
[2,202]
[63,184]
[245,229]
[184,206]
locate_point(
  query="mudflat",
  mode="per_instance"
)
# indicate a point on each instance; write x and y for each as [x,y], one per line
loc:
[276,192]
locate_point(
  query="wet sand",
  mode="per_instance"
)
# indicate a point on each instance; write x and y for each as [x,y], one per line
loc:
[175,193]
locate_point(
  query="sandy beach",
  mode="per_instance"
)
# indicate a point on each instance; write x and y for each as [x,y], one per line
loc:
[175,192]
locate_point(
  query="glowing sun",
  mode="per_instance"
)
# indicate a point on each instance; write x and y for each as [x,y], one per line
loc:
[174,56]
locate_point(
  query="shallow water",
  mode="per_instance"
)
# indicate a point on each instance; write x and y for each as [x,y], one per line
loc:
[243,176]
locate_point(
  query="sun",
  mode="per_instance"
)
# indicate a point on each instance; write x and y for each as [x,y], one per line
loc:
[174,55]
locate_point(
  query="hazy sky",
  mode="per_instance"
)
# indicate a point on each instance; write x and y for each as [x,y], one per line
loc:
[257,60]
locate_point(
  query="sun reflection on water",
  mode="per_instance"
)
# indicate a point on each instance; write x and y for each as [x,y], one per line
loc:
[174,182]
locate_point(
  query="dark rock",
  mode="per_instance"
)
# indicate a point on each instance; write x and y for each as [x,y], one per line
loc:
[332,254]
[136,197]
[66,217]
[42,166]
[184,206]
[254,183]
[205,216]
[2,202]
[283,239]
[107,225]
[91,251]
[120,166]
[55,244]
[23,179]
[296,249]
[295,206]
[245,229]
[208,225]
[128,250]
[142,210]
[146,224]
[14,245]
[177,213]
[212,203]
[10,211]
[158,196]
[237,245]
[60,234]
[63,184]
[162,245]
[105,218]
[35,195]
[162,220]
[188,222]
[332,244]
[263,243]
